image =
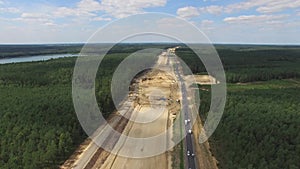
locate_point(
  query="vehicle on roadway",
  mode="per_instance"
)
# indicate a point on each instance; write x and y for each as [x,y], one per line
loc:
[187,121]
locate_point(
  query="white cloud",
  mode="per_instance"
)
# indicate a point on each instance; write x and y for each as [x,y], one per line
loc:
[278,6]
[207,22]
[207,25]
[9,10]
[263,6]
[188,12]
[34,15]
[83,8]
[213,9]
[34,18]
[115,8]
[120,9]
[100,19]
[65,12]
[89,5]
[168,22]
[50,24]
[245,5]
[243,19]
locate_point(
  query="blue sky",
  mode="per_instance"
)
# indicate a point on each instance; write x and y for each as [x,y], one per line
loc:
[223,21]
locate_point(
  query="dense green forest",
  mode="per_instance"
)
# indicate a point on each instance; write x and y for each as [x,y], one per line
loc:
[39,128]
[250,63]
[260,126]
[7,51]
[38,125]
[259,129]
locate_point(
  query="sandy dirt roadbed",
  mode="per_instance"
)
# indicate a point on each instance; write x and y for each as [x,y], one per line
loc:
[153,108]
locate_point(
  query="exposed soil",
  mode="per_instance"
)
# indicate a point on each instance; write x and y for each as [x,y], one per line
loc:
[166,94]
[155,89]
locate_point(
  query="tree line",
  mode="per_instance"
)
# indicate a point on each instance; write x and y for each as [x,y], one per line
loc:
[259,63]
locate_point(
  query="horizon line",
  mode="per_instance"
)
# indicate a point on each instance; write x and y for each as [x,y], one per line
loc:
[217,43]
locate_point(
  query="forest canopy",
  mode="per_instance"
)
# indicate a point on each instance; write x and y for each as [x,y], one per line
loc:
[259,129]
[38,124]
[260,125]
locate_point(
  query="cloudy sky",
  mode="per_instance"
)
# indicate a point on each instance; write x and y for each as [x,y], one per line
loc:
[223,21]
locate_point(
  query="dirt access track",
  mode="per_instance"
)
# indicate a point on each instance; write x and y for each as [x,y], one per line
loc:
[156,95]
[148,111]
[152,109]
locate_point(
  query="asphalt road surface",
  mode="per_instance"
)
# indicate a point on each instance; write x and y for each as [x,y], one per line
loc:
[190,154]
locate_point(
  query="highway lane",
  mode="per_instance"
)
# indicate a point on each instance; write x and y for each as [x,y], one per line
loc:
[190,153]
